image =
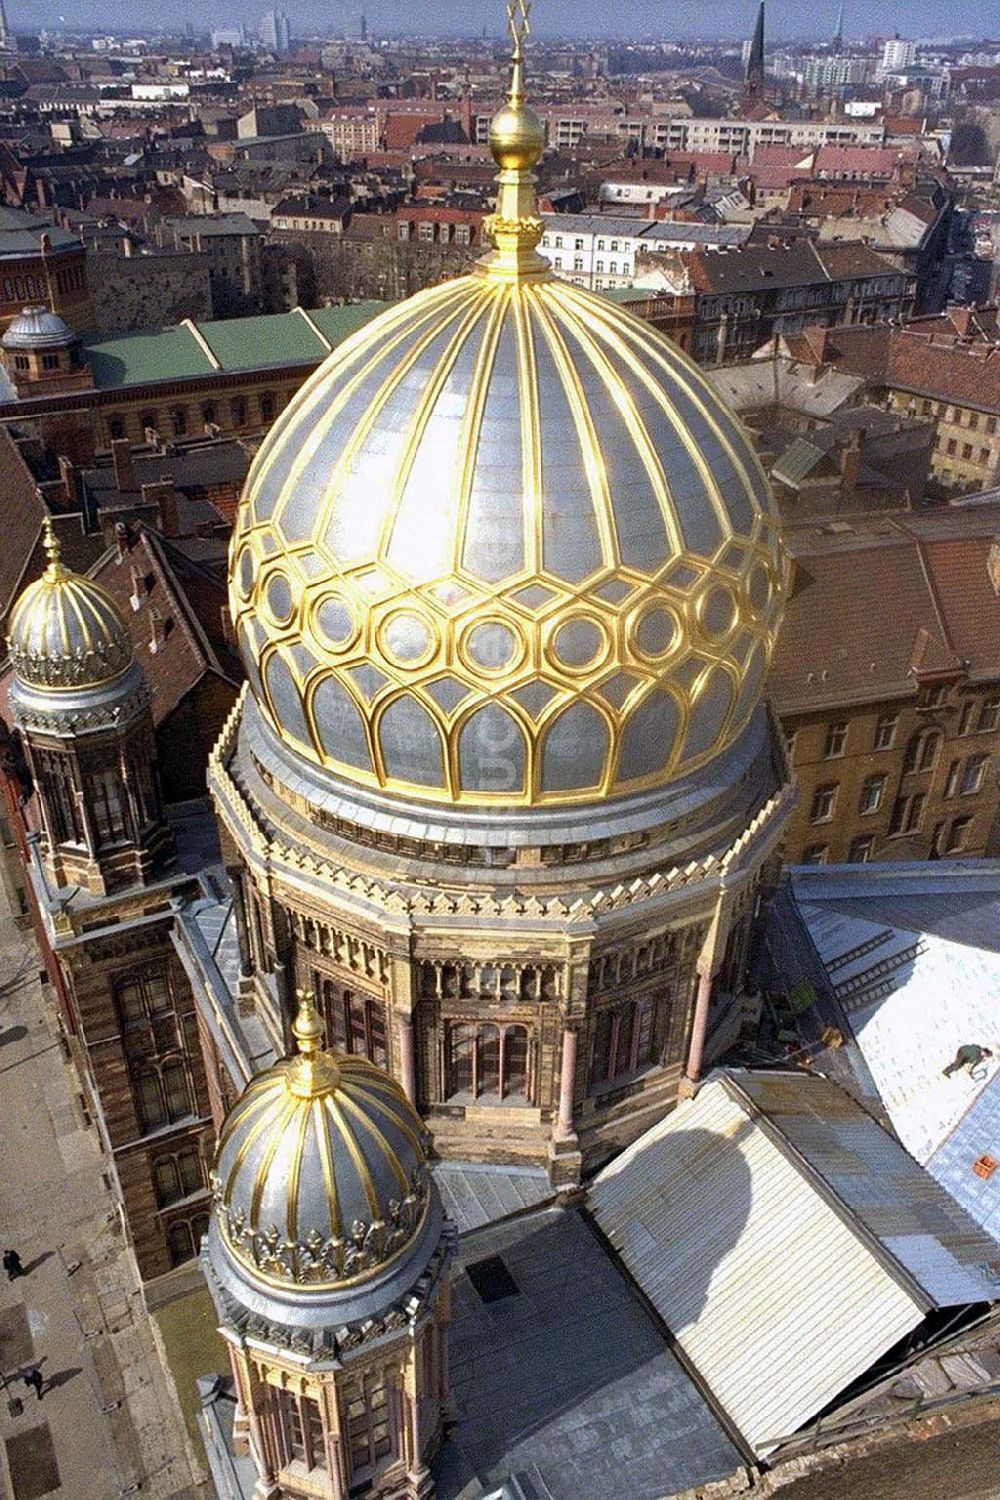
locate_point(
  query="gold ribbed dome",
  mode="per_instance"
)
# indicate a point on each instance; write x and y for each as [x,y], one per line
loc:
[66,631]
[320,1176]
[507,546]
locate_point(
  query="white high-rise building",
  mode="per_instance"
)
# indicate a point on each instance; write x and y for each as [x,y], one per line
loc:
[898,55]
[275,32]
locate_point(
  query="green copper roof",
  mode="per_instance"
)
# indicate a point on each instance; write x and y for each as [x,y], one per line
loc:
[137,358]
[190,349]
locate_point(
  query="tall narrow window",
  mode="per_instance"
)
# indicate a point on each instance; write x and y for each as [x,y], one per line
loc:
[836,739]
[300,1430]
[107,806]
[624,1040]
[463,1047]
[973,774]
[176,1091]
[368,1410]
[885,732]
[516,1083]
[488,1062]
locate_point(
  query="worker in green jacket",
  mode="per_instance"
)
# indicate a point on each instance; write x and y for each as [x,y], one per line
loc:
[969,1056]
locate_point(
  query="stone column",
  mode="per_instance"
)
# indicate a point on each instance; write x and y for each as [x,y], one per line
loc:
[235,874]
[567,1083]
[407,1058]
[699,1027]
[266,1487]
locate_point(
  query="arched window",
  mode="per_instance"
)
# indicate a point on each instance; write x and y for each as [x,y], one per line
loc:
[176,1090]
[149,1100]
[179,1243]
[178,418]
[178,1176]
[488,1062]
[355,1023]
[624,1040]
[922,751]
[184,1238]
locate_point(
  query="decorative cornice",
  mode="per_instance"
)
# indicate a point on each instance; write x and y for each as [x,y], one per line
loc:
[235,808]
[51,716]
[331,1341]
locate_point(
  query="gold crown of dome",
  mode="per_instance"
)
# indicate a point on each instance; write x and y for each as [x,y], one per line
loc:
[320,1176]
[507,546]
[66,631]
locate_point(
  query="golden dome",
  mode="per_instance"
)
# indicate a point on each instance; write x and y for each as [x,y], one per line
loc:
[66,631]
[320,1176]
[507,546]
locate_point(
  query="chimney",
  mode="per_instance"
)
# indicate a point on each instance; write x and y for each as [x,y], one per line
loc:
[819,338]
[850,461]
[138,588]
[157,631]
[67,474]
[164,497]
[121,455]
[993,565]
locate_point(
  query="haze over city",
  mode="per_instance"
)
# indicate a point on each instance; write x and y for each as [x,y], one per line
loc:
[499,750]
[640,19]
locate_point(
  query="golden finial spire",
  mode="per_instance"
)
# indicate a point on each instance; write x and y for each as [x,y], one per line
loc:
[517,140]
[519,26]
[312,1071]
[307,1028]
[53,551]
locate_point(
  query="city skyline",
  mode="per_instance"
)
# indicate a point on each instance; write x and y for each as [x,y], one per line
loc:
[632,20]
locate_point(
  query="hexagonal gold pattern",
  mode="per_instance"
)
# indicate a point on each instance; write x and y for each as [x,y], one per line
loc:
[507,546]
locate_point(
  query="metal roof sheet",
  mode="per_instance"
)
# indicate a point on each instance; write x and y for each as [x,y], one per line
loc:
[770,1283]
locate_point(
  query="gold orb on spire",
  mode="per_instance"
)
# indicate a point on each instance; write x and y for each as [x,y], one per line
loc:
[517,138]
[517,135]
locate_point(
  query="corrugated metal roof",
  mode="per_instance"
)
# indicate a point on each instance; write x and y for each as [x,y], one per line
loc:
[772,1288]
[919,1224]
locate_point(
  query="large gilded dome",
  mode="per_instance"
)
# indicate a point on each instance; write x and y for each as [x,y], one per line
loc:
[507,545]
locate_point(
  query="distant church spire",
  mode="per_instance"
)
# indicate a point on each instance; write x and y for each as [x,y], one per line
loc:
[753,88]
[838,35]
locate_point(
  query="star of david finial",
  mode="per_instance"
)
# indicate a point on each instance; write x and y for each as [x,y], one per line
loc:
[519,26]
[518,22]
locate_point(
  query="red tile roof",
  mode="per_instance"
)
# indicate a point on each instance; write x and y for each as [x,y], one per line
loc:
[871,610]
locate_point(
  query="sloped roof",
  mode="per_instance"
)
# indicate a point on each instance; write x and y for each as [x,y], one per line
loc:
[23,513]
[188,601]
[840,643]
[179,352]
[912,953]
[787,1241]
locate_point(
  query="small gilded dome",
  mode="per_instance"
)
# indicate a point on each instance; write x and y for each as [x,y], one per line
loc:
[38,328]
[66,631]
[320,1178]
